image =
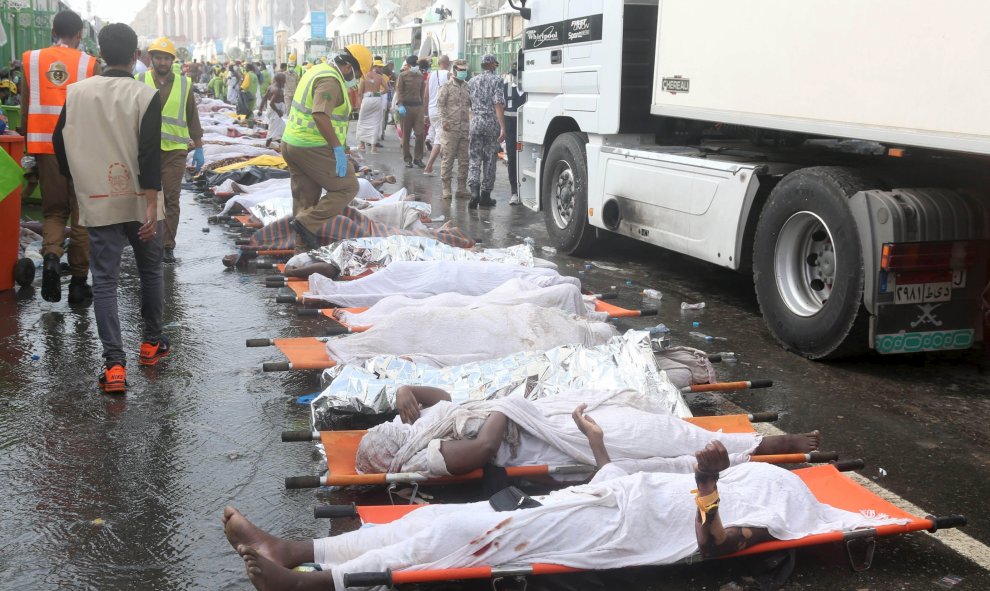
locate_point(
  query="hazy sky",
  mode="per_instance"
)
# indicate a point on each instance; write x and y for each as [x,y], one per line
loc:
[114,11]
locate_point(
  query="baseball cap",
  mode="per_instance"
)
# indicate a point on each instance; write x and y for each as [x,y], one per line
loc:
[489,59]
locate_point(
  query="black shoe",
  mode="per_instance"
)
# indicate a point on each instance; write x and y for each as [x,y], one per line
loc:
[379,145]
[475,197]
[419,163]
[51,279]
[169,256]
[486,199]
[310,241]
[24,272]
[79,291]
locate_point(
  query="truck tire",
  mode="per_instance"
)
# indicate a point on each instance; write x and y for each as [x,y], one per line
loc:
[565,194]
[808,264]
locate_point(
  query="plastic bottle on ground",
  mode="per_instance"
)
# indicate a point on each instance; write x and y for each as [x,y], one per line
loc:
[653,294]
[548,249]
[701,335]
[728,356]
[687,306]
[529,241]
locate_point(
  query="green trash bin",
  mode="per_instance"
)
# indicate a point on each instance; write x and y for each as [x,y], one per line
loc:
[13,114]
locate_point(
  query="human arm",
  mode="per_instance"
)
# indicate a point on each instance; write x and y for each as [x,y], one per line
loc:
[500,113]
[149,165]
[410,399]
[594,433]
[58,141]
[192,121]
[25,102]
[265,99]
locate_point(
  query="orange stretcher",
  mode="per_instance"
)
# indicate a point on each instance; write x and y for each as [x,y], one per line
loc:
[302,353]
[341,451]
[826,482]
[247,220]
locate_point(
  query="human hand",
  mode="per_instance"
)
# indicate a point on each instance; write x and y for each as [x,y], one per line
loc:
[402,110]
[406,405]
[149,229]
[199,159]
[340,156]
[501,136]
[713,458]
[586,424]
[445,126]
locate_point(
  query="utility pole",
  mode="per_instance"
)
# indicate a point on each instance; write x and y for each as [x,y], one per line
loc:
[461,28]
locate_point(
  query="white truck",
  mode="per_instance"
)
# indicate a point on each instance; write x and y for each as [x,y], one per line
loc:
[838,150]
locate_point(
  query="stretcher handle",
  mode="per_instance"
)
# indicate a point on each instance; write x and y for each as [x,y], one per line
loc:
[945,522]
[715,358]
[383,579]
[308,311]
[763,417]
[275,281]
[820,457]
[848,465]
[242,242]
[760,383]
[648,312]
[293,482]
[289,436]
[285,299]
[260,342]
[261,265]
[334,511]
[606,296]
[276,366]
[337,329]
[725,386]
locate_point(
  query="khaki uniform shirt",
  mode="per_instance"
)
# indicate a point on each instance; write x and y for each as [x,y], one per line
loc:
[454,103]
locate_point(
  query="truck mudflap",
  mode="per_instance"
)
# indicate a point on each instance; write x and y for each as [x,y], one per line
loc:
[925,265]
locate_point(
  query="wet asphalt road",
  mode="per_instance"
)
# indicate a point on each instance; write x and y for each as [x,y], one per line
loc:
[126,493]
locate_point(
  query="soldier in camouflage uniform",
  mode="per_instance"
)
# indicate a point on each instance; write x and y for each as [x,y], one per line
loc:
[454,104]
[487,131]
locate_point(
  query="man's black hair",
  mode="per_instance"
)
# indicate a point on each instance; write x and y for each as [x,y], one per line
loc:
[118,42]
[283,66]
[66,24]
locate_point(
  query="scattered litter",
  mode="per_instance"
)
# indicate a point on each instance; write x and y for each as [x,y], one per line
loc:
[653,294]
[687,306]
[588,266]
[881,472]
[695,324]
[612,287]
[728,356]
[206,230]
[629,282]
[35,357]
[98,521]
[307,398]
[529,241]
[439,218]
[701,335]
[581,272]
[660,329]
[949,581]
[487,222]
[548,249]
[605,266]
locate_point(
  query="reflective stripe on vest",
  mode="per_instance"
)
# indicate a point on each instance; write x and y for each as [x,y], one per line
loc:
[301,130]
[175,129]
[49,72]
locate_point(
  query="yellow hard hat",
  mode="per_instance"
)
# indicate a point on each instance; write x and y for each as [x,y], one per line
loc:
[8,85]
[292,57]
[363,56]
[164,45]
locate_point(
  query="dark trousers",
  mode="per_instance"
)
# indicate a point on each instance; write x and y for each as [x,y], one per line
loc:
[106,244]
[510,150]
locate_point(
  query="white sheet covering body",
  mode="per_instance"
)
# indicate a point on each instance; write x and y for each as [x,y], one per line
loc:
[613,522]
[564,297]
[450,336]
[422,279]
[636,428]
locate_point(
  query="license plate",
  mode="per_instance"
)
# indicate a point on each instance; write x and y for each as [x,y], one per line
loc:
[917,293]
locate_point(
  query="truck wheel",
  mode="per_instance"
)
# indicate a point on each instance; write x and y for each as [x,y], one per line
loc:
[808,264]
[565,194]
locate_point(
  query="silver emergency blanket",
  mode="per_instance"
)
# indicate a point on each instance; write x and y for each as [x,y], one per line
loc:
[625,361]
[272,209]
[355,256]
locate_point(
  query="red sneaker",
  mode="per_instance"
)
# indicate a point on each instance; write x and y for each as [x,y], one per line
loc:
[151,353]
[113,380]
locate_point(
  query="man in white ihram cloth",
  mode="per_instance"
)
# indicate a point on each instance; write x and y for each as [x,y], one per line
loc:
[617,520]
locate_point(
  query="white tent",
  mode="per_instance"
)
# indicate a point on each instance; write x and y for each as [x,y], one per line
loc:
[359,20]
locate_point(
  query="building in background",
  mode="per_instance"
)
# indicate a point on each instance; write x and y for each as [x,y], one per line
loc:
[27,24]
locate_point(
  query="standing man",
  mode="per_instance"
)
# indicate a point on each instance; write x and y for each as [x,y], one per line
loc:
[275,99]
[313,144]
[436,80]
[454,109]
[372,107]
[107,137]
[487,131]
[216,85]
[249,90]
[49,73]
[388,73]
[291,81]
[514,98]
[409,102]
[180,125]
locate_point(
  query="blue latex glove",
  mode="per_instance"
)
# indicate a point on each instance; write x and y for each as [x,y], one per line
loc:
[341,157]
[402,110]
[198,158]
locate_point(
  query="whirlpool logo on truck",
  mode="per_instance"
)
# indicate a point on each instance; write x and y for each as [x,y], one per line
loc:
[575,30]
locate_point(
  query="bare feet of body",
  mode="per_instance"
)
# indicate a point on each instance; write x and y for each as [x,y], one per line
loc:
[267,575]
[241,533]
[790,444]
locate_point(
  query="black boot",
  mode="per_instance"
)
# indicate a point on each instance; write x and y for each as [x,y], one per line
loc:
[79,291]
[486,199]
[51,279]
[168,256]
[475,197]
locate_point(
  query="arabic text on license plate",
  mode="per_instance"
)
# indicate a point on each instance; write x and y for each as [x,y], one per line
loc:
[916,293]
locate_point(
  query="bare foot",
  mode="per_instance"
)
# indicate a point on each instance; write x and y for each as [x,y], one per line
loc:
[241,533]
[265,575]
[390,179]
[785,444]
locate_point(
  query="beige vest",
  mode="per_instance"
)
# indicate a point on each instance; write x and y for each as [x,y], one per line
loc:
[102,125]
